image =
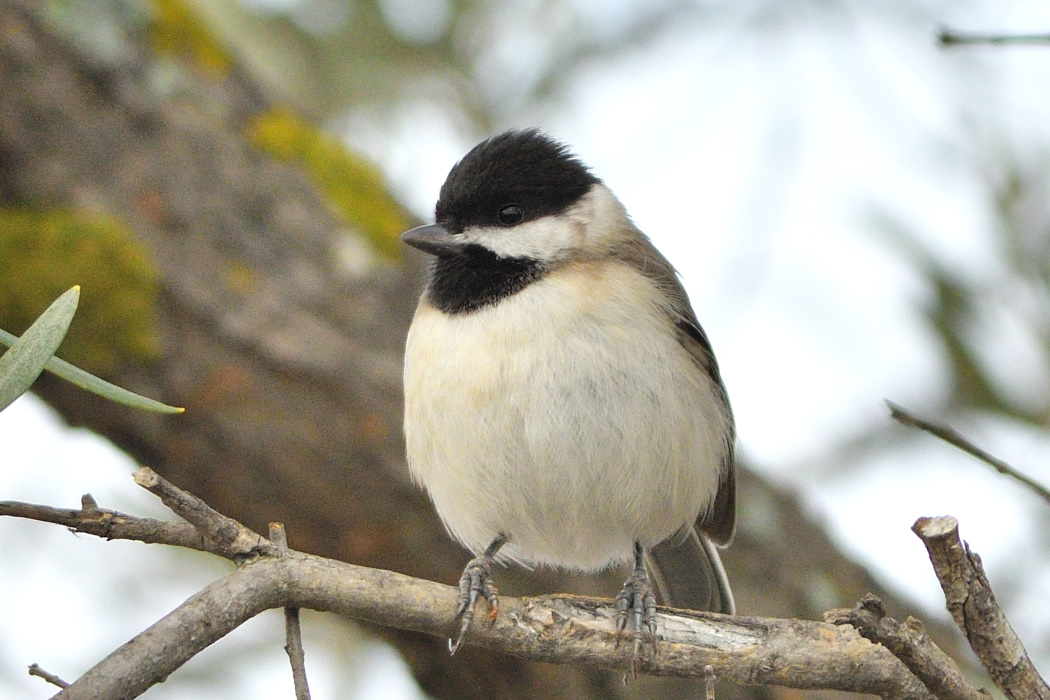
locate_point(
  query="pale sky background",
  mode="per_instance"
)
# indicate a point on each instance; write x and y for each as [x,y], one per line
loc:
[758,163]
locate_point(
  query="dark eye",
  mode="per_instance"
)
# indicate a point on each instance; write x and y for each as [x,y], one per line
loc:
[510,214]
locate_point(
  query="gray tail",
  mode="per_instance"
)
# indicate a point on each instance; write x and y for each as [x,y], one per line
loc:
[688,574]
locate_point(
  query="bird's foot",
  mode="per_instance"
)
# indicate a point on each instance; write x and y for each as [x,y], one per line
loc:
[636,603]
[476,582]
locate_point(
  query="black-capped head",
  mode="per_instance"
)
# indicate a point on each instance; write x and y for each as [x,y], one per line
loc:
[514,208]
[512,178]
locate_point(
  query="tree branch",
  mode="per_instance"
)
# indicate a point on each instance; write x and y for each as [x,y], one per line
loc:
[953,437]
[709,682]
[972,605]
[296,654]
[112,524]
[554,629]
[909,643]
[207,530]
[35,670]
[950,37]
[233,539]
[293,631]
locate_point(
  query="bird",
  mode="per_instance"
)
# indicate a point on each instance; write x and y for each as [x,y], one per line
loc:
[563,405]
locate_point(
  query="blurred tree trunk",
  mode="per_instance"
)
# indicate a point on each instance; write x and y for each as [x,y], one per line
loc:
[282,336]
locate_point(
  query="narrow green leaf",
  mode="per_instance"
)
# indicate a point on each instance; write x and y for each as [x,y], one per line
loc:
[85,380]
[23,363]
[88,381]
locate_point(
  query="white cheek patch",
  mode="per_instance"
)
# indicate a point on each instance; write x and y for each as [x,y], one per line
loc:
[594,222]
[543,239]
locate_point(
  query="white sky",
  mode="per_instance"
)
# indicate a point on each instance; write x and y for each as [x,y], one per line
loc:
[757,164]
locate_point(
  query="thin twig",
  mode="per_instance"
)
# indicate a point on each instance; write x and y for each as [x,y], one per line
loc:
[954,438]
[292,629]
[709,682]
[909,643]
[234,539]
[950,37]
[972,605]
[113,525]
[279,538]
[294,646]
[35,670]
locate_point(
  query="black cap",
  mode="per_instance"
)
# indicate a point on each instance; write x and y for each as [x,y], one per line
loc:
[525,167]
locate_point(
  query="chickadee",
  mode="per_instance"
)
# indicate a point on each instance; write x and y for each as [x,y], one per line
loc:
[563,406]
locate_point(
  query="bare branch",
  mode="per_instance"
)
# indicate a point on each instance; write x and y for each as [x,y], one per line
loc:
[975,610]
[952,437]
[112,525]
[35,670]
[279,539]
[950,37]
[909,643]
[292,629]
[233,539]
[553,629]
[296,655]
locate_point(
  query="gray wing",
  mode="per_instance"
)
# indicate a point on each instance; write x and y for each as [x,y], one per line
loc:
[719,522]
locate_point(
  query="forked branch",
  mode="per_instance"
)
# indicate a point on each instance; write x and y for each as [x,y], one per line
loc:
[555,629]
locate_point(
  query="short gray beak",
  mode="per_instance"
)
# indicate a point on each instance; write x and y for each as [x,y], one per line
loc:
[432,238]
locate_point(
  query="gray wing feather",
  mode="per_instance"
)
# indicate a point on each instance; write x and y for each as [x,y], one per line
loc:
[688,574]
[719,522]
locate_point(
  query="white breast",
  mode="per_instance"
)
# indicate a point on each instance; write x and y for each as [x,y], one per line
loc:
[567,416]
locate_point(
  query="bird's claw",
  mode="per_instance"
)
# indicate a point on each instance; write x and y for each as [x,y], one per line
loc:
[638,598]
[475,582]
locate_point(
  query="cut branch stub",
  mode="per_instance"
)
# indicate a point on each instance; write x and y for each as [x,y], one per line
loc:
[972,605]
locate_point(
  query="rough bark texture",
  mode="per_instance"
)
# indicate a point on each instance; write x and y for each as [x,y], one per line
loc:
[558,629]
[972,604]
[909,642]
[287,359]
[561,629]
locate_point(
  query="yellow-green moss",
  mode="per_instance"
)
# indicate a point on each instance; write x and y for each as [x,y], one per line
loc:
[177,30]
[353,186]
[44,253]
[240,278]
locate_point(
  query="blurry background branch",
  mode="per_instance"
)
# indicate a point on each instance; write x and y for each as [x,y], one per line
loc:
[955,438]
[951,37]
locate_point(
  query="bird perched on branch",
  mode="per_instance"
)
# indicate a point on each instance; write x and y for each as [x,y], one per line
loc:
[563,406]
